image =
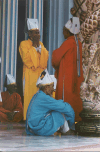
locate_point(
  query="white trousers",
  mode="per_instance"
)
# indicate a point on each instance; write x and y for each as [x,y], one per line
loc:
[64,128]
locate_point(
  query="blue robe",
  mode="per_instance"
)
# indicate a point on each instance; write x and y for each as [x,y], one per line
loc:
[44,115]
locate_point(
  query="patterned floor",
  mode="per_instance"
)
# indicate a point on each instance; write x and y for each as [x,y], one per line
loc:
[14,138]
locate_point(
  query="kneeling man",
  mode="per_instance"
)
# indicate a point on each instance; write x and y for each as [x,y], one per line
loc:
[46,115]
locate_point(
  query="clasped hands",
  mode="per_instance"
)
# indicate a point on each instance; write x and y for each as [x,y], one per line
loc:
[10,115]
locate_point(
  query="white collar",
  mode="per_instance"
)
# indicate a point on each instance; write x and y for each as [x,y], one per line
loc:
[38,49]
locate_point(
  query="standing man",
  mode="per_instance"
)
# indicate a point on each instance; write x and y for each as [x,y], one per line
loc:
[34,56]
[67,62]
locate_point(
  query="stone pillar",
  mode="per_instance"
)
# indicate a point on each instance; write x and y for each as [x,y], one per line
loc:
[89,13]
[8,38]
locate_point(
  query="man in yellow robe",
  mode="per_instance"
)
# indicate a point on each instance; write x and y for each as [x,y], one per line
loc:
[34,56]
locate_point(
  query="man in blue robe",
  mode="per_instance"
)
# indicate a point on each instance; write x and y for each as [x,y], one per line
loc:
[46,115]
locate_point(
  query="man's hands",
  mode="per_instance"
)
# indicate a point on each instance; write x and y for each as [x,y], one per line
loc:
[10,115]
[33,68]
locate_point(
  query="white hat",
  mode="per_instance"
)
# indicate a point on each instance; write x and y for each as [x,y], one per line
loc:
[44,79]
[32,24]
[74,26]
[10,79]
[55,81]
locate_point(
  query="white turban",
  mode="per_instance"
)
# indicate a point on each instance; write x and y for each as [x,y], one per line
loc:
[10,79]
[32,24]
[44,79]
[74,26]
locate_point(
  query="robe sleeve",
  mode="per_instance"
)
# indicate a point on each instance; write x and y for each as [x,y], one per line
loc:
[18,110]
[0,104]
[18,104]
[60,106]
[3,110]
[58,54]
[25,53]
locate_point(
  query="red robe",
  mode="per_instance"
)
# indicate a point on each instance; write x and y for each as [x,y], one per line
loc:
[11,103]
[64,61]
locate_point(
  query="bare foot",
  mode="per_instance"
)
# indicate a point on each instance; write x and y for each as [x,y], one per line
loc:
[70,132]
[57,134]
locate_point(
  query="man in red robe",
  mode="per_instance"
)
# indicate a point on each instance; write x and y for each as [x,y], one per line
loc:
[67,62]
[11,109]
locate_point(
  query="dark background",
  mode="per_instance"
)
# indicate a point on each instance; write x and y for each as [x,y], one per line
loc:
[21,37]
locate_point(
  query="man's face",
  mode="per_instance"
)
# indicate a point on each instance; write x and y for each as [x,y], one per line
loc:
[50,89]
[12,88]
[34,35]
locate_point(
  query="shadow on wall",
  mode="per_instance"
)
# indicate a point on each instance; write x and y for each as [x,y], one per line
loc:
[21,37]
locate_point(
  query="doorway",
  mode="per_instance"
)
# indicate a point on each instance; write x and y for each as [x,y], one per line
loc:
[21,37]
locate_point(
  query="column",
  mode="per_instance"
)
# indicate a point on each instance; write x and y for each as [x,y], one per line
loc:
[89,14]
[8,38]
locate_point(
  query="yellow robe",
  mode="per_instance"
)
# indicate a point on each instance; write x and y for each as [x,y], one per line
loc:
[33,64]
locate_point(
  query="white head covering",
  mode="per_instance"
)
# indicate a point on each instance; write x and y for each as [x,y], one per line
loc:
[55,81]
[44,79]
[32,24]
[10,79]
[74,26]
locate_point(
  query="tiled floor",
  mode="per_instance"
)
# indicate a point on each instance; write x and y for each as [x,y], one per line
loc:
[14,138]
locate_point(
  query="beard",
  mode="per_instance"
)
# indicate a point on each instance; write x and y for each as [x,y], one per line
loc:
[36,38]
